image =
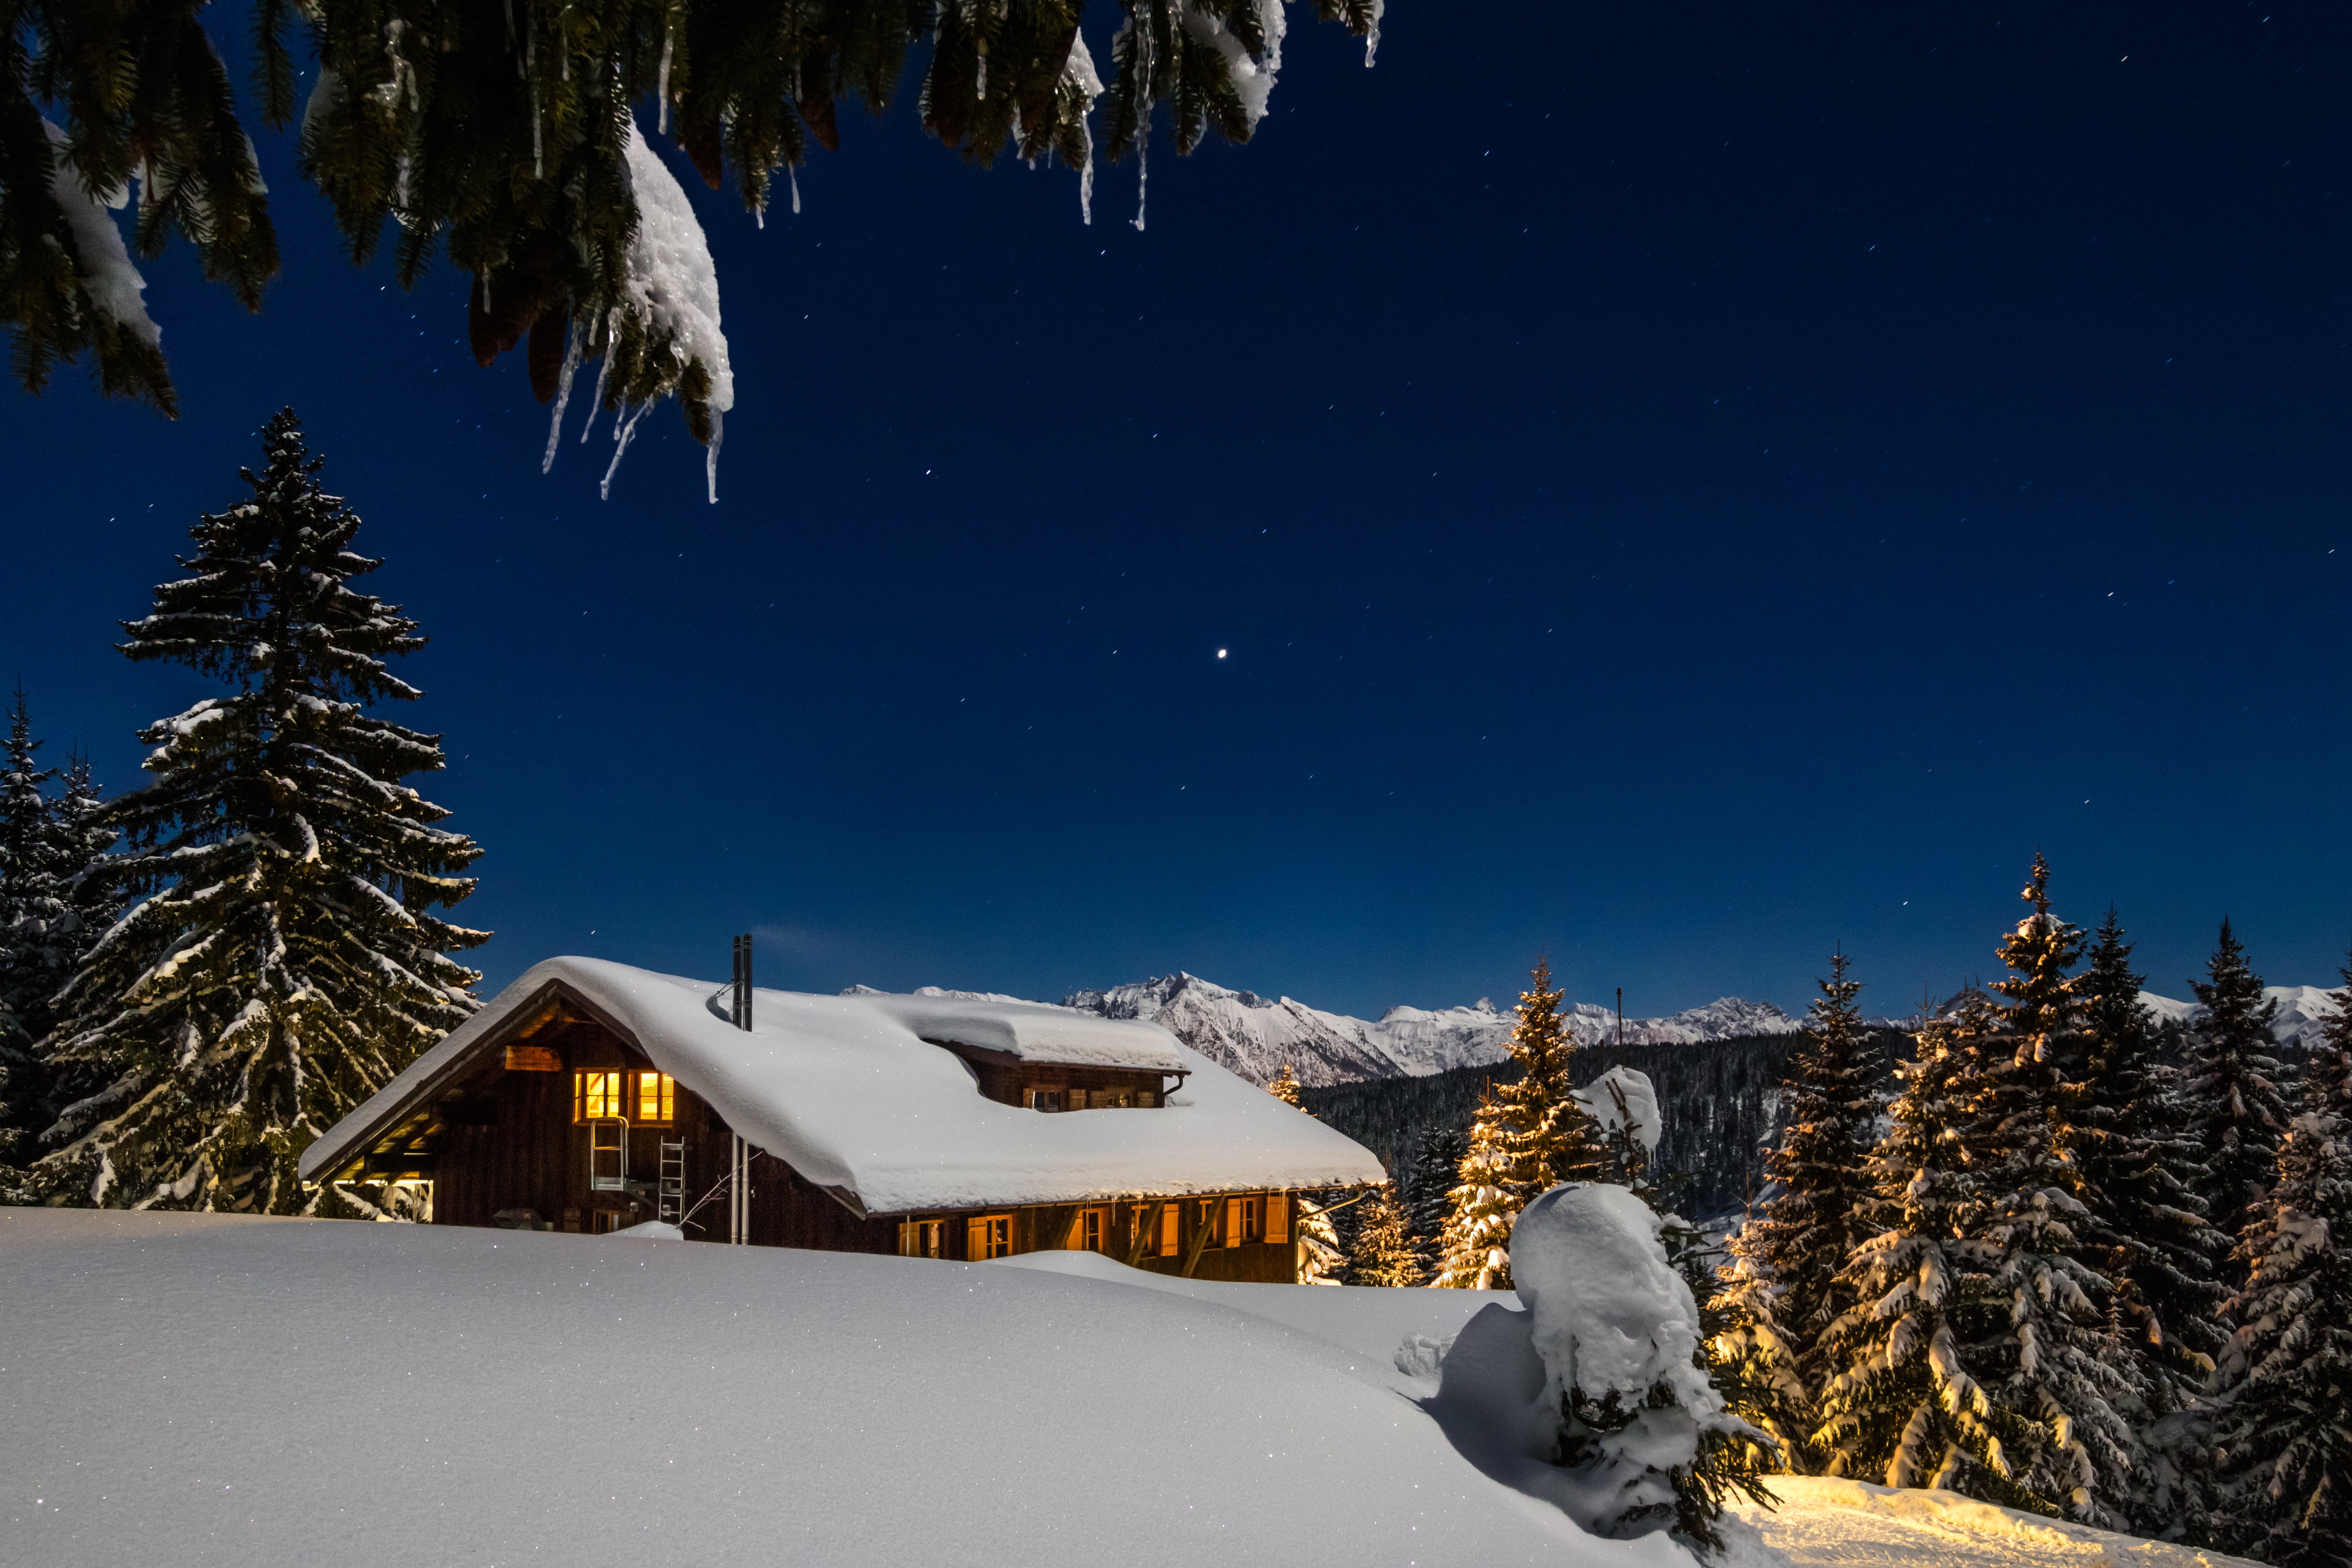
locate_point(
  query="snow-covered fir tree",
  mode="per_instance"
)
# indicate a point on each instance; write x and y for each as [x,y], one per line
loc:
[1285,1087]
[1475,1254]
[31,911]
[2239,1094]
[2125,1136]
[1382,1253]
[2053,1362]
[1647,1440]
[1901,1406]
[2282,1446]
[1784,1287]
[1429,1181]
[1322,1259]
[1529,1135]
[286,960]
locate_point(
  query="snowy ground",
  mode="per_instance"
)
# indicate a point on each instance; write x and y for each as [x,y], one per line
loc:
[202,1389]
[1853,1525]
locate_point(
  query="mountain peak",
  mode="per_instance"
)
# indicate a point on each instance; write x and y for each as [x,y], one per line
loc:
[1256,1037]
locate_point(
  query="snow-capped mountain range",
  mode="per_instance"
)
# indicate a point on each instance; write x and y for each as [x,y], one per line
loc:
[1253,1035]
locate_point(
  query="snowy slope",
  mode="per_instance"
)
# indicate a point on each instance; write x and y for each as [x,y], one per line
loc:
[1253,1035]
[2301,1009]
[202,1389]
[1853,1524]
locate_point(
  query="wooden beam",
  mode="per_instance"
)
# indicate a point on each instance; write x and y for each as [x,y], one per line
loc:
[1206,1227]
[1146,1217]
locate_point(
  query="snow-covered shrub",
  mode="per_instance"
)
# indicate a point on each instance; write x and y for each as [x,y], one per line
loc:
[1645,1438]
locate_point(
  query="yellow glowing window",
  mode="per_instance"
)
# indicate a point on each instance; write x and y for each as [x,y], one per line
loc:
[598,1097]
[657,1097]
[988,1236]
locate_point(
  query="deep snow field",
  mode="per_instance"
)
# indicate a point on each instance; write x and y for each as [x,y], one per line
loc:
[208,1389]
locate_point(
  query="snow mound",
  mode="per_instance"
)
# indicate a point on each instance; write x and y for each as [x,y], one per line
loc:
[204,1388]
[650,1230]
[1602,1099]
[1611,1314]
[1853,1524]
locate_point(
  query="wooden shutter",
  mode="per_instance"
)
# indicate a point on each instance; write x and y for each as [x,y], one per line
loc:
[1277,1216]
[1233,1236]
[1168,1223]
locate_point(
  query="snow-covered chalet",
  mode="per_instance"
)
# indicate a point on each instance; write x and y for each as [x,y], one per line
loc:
[589,1096]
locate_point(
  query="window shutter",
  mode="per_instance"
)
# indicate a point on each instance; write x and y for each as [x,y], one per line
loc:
[1168,1222]
[1277,1216]
[1233,1222]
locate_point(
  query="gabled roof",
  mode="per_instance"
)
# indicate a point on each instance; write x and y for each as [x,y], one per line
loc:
[847,1090]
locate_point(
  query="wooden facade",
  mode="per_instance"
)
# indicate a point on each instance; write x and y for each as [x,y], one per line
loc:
[560,1123]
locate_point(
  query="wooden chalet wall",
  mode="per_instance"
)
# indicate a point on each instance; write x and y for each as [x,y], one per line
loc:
[501,1146]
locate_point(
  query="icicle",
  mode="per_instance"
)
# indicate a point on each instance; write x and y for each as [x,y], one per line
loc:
[1087,185]
[562,396]
[530,69]
[670,40]
[710,453]
[604,369]
[981,90]
[794,175]
[1372,35]
[620,445]
[563,60]
[1142,180]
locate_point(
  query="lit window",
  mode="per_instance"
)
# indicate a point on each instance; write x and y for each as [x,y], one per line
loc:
[988,1236]
[597,1097]
[921,1237]
[1090,1230]
[656,1096]
[1253,1218]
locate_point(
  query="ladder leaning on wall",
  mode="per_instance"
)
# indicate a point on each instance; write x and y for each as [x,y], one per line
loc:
[670,1197]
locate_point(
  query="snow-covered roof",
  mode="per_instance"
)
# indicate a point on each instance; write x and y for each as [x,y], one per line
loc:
[847,1091]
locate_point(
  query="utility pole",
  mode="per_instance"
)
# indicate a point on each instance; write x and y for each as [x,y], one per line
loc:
[739,1168]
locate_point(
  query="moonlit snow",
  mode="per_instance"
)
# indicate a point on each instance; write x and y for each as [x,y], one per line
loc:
[198,1388]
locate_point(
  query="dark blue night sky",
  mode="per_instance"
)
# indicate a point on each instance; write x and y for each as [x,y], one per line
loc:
[1681,487]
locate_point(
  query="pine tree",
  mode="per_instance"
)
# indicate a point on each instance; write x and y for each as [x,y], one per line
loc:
[2136,1169]
[2237,1091]
[1783,1289]
[1322,1259]
[1285,1088]
[286,960]
[1429,1179]
[2283,1448]
[1481,1207]
[508,135]
[2053,1362]
[1903,1407]
[1529,1136]
[30,909]
[1383,1253]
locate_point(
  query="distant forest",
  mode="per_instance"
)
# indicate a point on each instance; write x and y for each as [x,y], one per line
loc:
[1721,1101]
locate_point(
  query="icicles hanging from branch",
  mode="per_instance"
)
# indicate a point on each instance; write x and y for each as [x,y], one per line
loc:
[563,395]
